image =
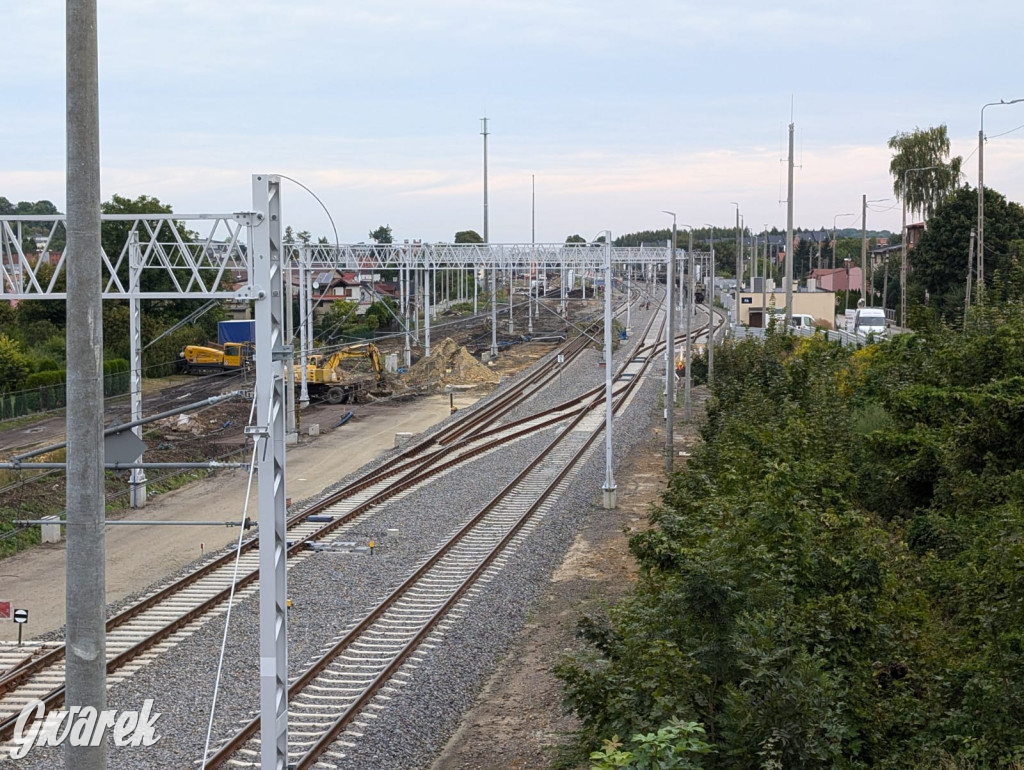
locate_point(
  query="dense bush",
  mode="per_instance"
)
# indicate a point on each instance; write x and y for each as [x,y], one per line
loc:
[835,579]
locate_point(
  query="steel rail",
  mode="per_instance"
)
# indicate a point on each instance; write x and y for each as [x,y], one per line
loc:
[19,675]
[224,754]
[513,397]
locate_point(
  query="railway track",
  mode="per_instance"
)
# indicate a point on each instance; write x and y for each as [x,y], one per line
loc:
[325,701]
[169,614]
[138,634]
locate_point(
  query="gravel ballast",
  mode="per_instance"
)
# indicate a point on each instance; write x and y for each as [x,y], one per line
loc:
[331,591]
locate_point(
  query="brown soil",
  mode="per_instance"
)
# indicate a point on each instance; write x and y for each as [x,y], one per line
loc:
[198,436]
[518,722]
[449,364]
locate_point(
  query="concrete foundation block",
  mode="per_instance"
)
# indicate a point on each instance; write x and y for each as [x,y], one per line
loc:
[51,532]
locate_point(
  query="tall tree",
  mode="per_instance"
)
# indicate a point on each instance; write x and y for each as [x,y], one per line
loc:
[940,258]
[382,235]
[14,364]
[114,236]
[468,236]
[577,238]
[928,149]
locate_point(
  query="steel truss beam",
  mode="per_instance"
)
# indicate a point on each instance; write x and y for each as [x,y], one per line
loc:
[199,256]
[446,256]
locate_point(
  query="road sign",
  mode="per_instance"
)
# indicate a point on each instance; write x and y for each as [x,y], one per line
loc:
[561,358]
[21,616]
[5,610]
[124,447]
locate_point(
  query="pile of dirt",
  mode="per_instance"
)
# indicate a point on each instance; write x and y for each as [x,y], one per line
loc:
[449,364]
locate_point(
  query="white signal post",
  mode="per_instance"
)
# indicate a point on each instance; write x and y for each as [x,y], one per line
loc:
[610,496]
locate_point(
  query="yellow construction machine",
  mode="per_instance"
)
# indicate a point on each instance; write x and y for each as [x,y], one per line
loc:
[327,381]
[203,359]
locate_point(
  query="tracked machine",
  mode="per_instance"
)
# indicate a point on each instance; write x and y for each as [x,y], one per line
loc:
[327,380]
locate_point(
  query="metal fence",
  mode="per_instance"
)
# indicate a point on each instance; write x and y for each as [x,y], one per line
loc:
[45,398]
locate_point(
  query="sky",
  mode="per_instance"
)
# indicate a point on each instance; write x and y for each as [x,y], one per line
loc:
[601,114]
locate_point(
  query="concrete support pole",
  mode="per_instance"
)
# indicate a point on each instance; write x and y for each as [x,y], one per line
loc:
[529,307]
[670,352]
[265,254]
[710,300]
[690,308]
[137,482]
[739,272]
[485,134]
[86,663]
[865,278]
[981,203]
[789,236]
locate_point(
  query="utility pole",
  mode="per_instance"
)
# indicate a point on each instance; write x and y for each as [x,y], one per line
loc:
[765,269]
[739,270]
[85,576]
[710,299]
[484,133]
[864,277]
[494,268]
[789,235]
[670,348]
[970,265]
[690,307]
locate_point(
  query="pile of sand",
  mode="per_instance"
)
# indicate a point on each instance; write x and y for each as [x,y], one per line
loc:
[450,364]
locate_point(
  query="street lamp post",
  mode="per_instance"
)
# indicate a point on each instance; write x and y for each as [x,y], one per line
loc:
[903,265]
[981,195]
[834,240]
[670,349]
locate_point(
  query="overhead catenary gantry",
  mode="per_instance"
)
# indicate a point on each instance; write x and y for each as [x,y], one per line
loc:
[241,257]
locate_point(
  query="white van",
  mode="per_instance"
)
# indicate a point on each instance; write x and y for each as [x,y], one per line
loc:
[802,321]
[869,321]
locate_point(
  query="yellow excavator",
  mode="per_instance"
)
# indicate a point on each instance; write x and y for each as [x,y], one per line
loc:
[326,381]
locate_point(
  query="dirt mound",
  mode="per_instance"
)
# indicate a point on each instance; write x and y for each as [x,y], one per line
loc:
[450,364]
